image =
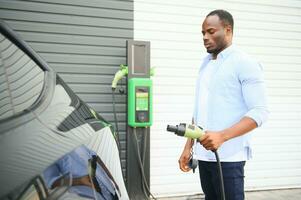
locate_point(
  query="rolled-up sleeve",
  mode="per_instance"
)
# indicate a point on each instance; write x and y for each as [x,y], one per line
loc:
[51,174]
[254,92]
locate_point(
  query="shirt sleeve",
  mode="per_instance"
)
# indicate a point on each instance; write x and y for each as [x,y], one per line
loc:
[51,174]
[253,91]
[58,169]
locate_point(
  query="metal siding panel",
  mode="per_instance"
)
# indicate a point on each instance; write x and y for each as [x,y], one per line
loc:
[42,27]
[60,8]
[66,19]
[270,32]
[72,39]
[83,40]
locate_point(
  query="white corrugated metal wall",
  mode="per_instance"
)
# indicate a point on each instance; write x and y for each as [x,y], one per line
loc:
[269,30]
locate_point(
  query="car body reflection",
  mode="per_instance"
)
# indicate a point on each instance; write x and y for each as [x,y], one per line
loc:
[52,144]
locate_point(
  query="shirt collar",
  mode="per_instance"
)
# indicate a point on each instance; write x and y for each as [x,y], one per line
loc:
[223,54]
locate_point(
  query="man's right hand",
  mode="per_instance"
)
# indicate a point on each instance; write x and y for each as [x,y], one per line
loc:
[184,160]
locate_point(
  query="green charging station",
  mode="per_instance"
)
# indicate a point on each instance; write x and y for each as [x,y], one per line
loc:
[139,84]
[139,119]
[140,102]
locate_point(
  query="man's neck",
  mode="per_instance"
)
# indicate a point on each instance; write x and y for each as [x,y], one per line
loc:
[214,55]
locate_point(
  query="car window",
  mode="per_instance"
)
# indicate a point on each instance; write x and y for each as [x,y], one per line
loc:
[21,79]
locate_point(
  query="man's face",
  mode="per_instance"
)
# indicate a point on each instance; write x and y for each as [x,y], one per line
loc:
[215,34]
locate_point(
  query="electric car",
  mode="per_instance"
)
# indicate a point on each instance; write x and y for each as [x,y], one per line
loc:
[52,144]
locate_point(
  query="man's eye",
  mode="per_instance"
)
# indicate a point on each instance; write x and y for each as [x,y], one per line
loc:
[211,32]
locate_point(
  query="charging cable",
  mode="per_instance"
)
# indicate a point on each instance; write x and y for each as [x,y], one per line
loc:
[116,122]
[141,162]
[220,173]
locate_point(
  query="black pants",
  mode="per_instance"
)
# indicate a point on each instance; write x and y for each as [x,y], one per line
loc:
[233,174]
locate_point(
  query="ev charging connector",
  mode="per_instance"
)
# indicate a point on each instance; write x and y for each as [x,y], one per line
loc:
[189,131]
[195,132]
[123,71]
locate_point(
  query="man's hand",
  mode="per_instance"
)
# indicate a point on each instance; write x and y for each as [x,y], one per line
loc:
[212,140]
[184,160]
[84,180]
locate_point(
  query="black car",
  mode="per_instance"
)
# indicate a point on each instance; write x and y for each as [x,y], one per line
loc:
[52,144]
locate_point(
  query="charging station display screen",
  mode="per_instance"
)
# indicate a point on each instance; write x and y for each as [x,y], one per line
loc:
[141,101]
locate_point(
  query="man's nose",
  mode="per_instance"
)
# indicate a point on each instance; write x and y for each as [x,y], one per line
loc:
[205,37]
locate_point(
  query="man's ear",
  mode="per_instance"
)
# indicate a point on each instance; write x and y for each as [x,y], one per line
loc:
[228,29]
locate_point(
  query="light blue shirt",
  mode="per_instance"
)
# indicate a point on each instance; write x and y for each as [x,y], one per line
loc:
[236,89]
